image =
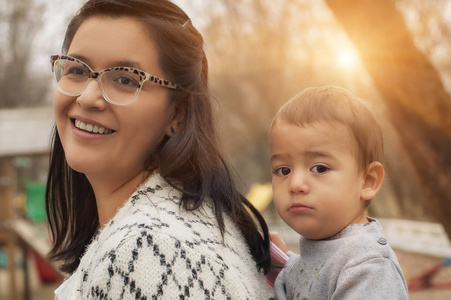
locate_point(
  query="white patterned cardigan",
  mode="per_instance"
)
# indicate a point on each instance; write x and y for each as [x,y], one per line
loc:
[153,249]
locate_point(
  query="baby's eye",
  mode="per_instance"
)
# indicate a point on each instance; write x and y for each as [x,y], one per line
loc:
[319,169]
[283,171]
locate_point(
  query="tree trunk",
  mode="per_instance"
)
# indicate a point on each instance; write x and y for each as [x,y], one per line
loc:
[417,103]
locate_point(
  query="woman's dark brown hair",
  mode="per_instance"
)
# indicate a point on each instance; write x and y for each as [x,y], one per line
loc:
[191,157]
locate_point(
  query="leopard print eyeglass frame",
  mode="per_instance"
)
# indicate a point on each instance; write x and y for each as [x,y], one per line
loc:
[119,85]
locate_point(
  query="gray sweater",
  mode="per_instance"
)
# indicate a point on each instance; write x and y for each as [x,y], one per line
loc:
[356,263]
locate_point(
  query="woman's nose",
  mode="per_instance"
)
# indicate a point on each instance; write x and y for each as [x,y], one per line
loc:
[299,183]
[92,97]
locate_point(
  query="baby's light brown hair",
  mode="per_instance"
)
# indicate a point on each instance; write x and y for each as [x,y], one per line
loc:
[336,104]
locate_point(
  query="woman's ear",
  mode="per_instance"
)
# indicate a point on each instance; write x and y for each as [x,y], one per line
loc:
[172,128]
[176,120]
[372,180]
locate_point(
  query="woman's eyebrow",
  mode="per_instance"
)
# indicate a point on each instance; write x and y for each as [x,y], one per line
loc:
[79,57]
[118,63]
[127,63]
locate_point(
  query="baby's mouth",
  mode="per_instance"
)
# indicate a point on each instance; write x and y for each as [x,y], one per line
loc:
[91,128]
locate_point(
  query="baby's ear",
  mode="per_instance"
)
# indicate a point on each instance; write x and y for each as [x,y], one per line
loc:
[372,180]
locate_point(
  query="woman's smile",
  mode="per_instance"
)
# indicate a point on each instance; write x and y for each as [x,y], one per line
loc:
[96,129]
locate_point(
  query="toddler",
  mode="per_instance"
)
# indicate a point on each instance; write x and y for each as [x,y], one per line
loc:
[326,161]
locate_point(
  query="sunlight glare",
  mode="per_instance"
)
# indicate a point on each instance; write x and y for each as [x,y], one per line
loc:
[347,59]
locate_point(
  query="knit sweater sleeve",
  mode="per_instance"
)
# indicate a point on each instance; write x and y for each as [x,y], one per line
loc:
[148,265]
[376,278]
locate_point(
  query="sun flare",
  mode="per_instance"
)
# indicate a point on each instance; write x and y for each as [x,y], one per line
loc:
[347,59]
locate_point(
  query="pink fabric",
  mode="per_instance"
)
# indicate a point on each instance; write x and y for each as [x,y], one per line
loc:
[278,260]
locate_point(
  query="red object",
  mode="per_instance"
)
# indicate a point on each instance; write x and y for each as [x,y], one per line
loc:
[424,280]
[46,273]
[278,260]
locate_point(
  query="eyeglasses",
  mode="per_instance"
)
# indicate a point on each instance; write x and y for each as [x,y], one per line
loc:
[119,85]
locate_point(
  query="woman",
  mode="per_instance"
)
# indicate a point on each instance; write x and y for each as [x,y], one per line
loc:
[141,203]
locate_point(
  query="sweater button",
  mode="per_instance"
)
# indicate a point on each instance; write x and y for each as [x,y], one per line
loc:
[382,241]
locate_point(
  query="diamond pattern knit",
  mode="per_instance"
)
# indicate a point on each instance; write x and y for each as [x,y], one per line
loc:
[153,249]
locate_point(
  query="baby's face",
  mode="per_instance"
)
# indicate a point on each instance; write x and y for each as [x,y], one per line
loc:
[317,184]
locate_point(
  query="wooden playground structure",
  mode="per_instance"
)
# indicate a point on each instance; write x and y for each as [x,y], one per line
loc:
[22,132]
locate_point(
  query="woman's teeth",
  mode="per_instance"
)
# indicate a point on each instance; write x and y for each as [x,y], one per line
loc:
[92,128]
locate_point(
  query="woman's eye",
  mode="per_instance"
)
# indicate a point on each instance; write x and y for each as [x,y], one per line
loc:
[126,80]
[284,171]
[319,169]
[76,71]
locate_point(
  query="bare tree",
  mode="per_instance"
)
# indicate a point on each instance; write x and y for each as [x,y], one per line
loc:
[418,104]
[262,53]
[20,20]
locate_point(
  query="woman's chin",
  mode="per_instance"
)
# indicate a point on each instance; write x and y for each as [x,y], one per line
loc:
[81,166]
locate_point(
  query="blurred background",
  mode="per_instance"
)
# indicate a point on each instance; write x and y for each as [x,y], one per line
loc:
[395,53]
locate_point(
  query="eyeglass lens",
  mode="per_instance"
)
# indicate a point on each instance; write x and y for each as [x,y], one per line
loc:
[119,86]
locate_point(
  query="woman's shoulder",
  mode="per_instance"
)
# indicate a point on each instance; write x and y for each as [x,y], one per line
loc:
[155,207]
[162,265]
[154,214]
[168,227]
[157,259]
[156,244]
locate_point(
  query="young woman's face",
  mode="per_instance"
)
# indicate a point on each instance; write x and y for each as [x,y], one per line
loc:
[316,180]
[131,132]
